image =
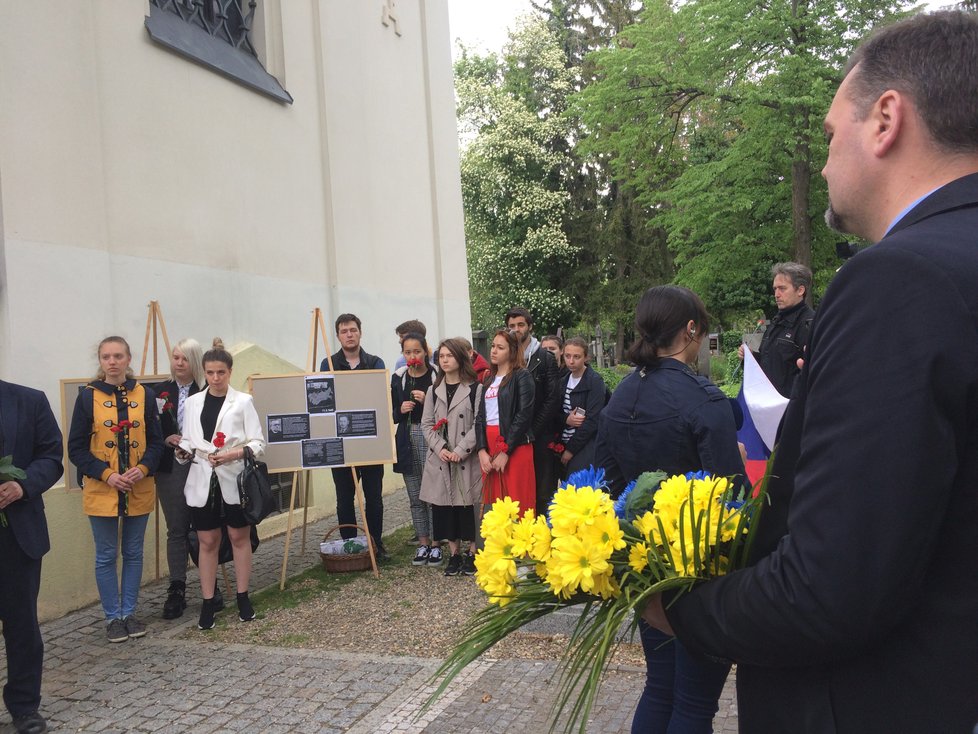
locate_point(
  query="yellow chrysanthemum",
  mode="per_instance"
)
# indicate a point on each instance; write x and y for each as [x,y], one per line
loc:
[574,507]
[605,533]
[524,535]
[638,557]
[646,525]
[500,516]
[541,540]
[606,586]
[577,563]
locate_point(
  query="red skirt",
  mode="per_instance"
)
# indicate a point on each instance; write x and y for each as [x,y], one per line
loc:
[517,480]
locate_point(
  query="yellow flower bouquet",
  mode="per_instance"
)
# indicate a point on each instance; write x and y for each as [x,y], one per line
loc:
[662,534]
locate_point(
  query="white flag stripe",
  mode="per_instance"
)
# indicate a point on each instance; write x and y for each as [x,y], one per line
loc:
[765,403]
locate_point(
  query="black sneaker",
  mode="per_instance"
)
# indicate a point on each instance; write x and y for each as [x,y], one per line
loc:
[206,620]
[176,600]
[380,552]
[134,627]
[116,631]
[468,565]
[434,556]
[32,723]
[454,565]
[246,612]
[421,556]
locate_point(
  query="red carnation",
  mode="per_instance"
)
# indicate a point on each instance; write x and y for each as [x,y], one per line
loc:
[559,448]
[501,447]
[441,423]
[125,424]
[219,439]
[165,395]
[414,362]
[116,429]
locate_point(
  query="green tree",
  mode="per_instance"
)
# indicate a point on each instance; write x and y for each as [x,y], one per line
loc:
[513,169]
[710,112]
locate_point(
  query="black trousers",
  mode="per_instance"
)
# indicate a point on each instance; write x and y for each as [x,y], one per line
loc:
[372,483]
[20,581]
[545,464]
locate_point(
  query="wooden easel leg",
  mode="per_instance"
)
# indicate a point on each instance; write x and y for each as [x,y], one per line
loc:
[358,493]
[227,583]
[288,533]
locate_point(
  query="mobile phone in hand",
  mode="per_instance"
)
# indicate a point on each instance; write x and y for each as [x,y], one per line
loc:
[579,411]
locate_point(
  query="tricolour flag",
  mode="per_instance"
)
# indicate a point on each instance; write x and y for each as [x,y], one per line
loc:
[763,408]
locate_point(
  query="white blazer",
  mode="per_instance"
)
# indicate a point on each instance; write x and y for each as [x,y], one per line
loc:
[238,421]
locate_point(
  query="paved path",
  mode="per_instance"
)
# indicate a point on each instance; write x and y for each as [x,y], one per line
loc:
[165,683]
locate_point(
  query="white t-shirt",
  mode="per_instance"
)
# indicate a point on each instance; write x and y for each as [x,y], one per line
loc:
[492,402]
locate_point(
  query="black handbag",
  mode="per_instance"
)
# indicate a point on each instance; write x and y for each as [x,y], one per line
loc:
[255,489]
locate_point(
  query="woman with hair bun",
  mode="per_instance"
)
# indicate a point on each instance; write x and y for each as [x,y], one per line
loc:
[116,444]
[219,423]
[663,416]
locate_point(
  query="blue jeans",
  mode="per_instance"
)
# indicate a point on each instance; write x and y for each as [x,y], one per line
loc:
[105,530]
[681,691]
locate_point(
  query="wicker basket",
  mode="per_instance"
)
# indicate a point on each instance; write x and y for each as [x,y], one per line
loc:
[347,562]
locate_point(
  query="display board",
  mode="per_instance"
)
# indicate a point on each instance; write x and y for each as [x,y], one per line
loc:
[69,394]
[325,419]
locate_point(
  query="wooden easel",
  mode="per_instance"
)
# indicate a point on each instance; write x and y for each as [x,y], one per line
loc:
[304,478]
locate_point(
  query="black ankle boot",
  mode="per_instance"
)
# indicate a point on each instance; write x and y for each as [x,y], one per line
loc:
[206,621]
[176,600]
[246,612]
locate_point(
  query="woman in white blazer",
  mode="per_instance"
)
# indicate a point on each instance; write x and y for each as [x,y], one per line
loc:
[218,423]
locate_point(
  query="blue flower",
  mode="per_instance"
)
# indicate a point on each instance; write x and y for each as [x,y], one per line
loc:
[690,475]
[623,500]
[589,477]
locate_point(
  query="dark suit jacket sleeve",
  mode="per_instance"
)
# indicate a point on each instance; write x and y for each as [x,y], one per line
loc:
[44,467]
[885,395]
[524,388]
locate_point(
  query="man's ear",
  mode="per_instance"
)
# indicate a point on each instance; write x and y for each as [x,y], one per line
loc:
[889,116]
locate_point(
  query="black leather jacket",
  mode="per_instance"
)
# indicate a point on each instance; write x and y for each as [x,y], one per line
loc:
[543,367]
[515,412]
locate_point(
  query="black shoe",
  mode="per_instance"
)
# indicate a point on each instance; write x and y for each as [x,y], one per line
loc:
[454,565]
[32,723]
[134,627]
[176,600]
[381,553]
[246,612]
[206,621]
[468,565]
[116,631]
[218,599]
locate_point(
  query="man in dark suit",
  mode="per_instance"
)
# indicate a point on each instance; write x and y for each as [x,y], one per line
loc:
[30,435]
[860,613]
[543,366]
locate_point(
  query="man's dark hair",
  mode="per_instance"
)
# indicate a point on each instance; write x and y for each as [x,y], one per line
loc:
[412,325]
[516,312]
[798,274]
[933,59]
[344,318]
[662,313]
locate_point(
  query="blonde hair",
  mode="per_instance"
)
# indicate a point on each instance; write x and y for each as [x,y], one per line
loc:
[195,356]
[100,373]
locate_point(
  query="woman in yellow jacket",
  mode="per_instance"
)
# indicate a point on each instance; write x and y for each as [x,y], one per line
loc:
[116,443]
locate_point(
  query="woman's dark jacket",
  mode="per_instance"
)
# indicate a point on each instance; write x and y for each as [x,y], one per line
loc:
[666,418]
[402,437]
[515,412]
[589,394]
[168,418]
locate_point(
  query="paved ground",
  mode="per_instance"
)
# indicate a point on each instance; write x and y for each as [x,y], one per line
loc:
[162,683]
